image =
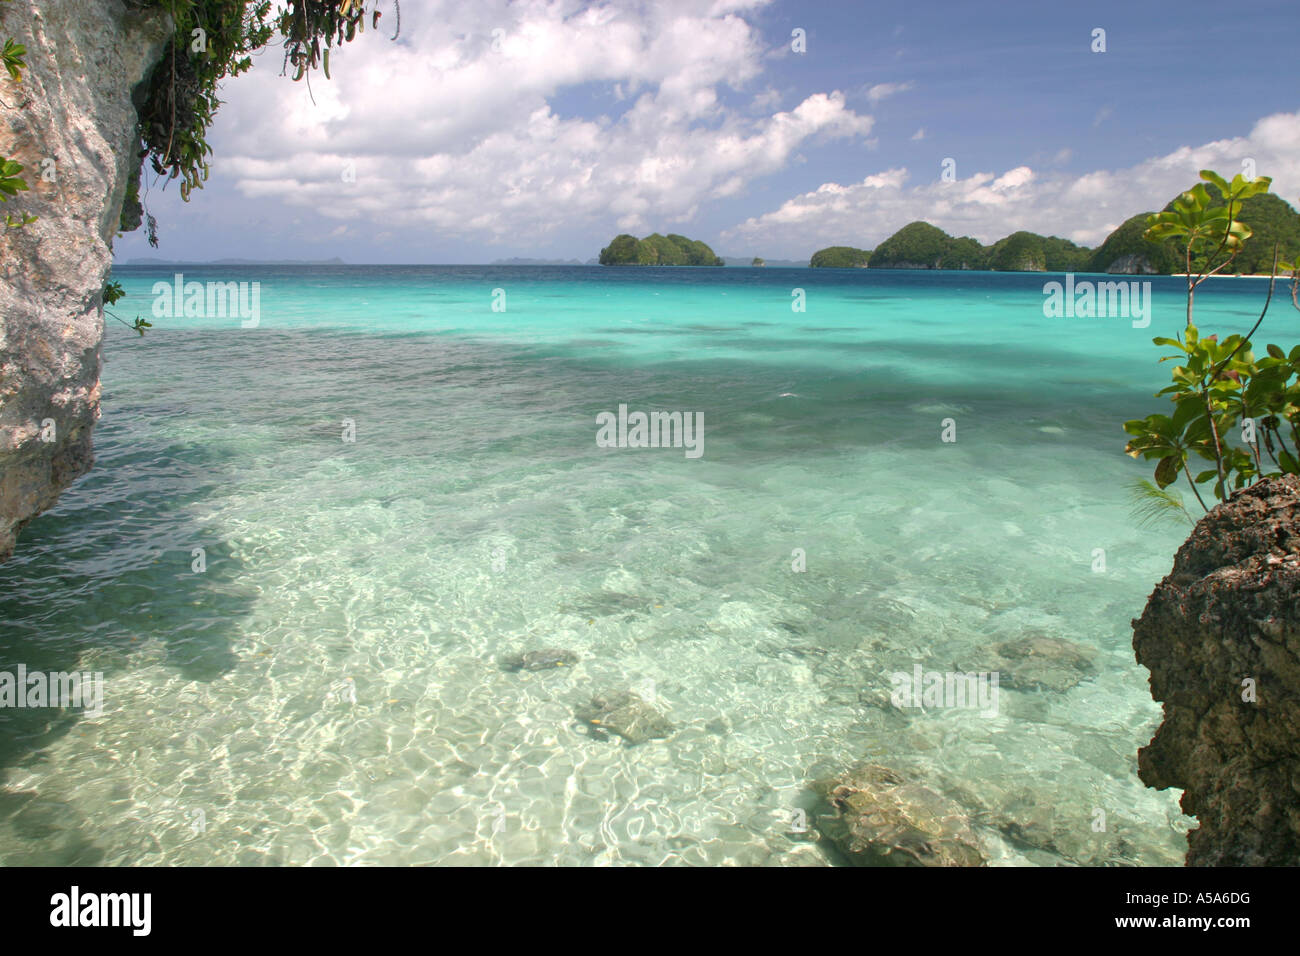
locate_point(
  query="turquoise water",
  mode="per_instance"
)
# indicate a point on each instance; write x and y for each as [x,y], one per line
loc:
[329,689]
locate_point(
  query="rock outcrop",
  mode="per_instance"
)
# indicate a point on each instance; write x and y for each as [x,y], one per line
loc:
[72,126]
[1221,637]
[1132,265]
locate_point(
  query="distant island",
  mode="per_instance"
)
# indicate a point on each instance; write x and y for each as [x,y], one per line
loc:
[759,262]
[237,262]
[840,257]
[544,262]
[657,250]
[920,245]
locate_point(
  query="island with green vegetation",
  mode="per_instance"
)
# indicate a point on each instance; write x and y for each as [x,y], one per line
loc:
[1030,252]
[920,245]
[657,250]
[840,257]
[1127,251]
[1271,219]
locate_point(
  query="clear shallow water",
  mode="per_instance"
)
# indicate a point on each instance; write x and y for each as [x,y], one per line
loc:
[328,690]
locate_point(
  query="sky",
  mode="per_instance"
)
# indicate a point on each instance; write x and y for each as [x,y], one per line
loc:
[543,128]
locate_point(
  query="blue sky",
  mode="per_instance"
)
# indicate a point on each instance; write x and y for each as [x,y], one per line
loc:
[697,117]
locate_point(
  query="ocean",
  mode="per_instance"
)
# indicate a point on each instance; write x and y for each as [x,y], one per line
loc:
[314,535]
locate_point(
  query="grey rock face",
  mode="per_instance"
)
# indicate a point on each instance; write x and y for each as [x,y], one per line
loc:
[1221,637]
[1131,265]
[72,127]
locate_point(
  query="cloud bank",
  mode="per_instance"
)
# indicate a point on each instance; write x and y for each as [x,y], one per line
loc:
[461,126]
[1084,208]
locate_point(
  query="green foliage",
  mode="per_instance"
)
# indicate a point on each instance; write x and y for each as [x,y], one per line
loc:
[620,252]
[113,291]
[964,253]
[1230,408]
[1062,255]
[1128,240]
[1018,252]
[11,57]
[758,262]
[214,40]
[840,257]
[1204,224]
[1272,221]
[1217,386]
[920,245]
[10,182]
[916,245]
[1269,218]
[657,250]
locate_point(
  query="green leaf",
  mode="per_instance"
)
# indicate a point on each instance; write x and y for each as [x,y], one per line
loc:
[1211,176]
[1167,471]
[1187,410]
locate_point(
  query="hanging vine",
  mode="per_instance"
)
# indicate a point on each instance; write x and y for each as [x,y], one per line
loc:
[213,40]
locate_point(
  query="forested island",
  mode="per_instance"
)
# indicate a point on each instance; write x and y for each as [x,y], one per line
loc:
[657,250]
[920,245]
[840,257]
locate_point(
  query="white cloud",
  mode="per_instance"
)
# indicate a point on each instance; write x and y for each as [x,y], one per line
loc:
[918,135]
[1084,208]
[883,90]
[443,131]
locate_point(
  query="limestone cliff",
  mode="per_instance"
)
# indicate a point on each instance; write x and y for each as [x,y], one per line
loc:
[1221,637]
[71,123]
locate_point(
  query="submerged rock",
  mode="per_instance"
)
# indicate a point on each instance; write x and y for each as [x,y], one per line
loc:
[625,713]
[1221,637]
[1039,662]
[1050,818]
[875,817]
[539,660]
[607,604]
